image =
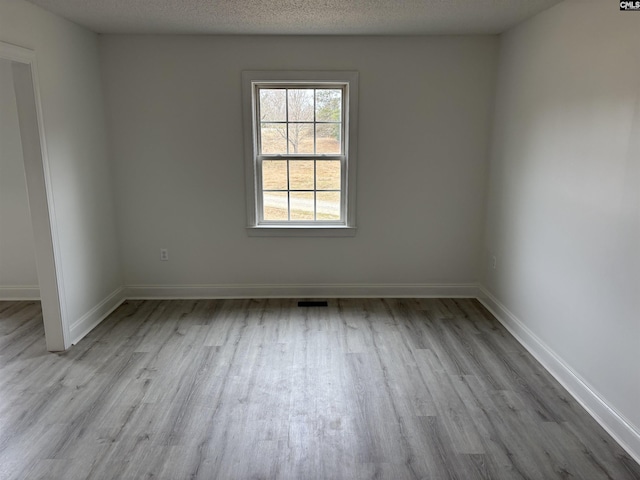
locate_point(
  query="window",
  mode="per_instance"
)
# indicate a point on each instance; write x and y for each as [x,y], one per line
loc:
[300,153]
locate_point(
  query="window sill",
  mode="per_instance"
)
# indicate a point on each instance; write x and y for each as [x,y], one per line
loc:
[301,231]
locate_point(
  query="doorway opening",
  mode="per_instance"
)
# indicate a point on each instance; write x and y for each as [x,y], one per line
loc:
[23,117]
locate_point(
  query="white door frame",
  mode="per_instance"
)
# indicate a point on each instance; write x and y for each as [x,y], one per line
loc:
[41,205]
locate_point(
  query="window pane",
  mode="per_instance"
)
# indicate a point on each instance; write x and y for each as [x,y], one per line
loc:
[275,206]
[328,138]
[274,175]
[301,205]
[328,172]
[272,105]
[301,176]
[328,205]
[273,138]
[300,138]
[328,105]
[301,105]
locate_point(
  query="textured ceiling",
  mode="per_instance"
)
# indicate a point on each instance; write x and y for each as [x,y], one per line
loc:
[317,17]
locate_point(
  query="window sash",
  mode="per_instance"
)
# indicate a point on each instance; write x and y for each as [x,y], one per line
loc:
[260,190]
[257,133]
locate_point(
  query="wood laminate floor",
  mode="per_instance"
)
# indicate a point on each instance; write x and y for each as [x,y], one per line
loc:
[250,389]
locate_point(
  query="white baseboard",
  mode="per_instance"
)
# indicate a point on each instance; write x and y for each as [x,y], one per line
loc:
[93,317]
[301,291]
[19,292]
[623,431]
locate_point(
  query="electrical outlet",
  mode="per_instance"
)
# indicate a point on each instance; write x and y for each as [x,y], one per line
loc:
[494,262]
[164,254]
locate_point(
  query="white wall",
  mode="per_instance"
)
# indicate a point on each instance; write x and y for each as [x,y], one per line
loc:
[73,115]
[174,109]
[17,251]
[564,205]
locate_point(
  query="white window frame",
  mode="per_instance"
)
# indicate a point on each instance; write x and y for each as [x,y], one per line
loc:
[251,80]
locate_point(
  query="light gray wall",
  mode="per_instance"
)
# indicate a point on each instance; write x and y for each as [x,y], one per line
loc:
[564,206]
[17,250]
[174,110]
[73,115]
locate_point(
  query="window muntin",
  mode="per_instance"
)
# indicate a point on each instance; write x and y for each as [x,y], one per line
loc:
[301,143]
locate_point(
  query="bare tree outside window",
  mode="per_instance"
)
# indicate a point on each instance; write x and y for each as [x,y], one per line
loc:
[300,109]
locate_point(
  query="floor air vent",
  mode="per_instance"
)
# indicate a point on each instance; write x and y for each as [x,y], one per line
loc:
[317,303]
